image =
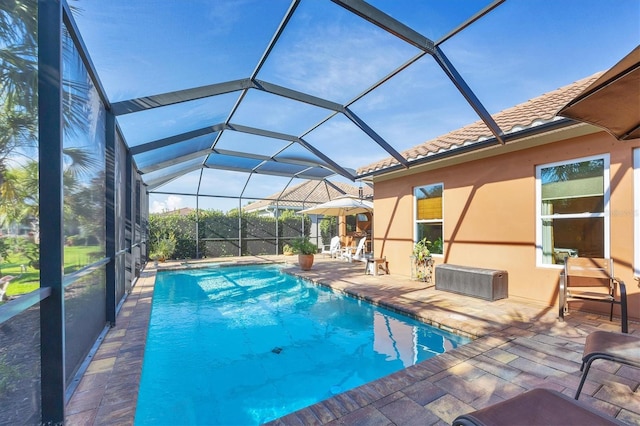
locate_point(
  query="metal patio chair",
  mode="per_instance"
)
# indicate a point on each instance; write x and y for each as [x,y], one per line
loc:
[590,279]
[537,407]
[611,346]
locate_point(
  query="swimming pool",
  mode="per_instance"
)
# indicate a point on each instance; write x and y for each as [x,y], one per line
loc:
[246,345]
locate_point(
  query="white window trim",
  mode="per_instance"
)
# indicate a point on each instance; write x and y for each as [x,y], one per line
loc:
[636,212]
[415,219]
[605,214]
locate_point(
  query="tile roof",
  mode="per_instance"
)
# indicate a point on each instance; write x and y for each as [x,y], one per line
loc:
[183,211]
[308,193]
[532,113]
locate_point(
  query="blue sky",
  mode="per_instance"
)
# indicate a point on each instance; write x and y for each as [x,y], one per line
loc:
[521,50]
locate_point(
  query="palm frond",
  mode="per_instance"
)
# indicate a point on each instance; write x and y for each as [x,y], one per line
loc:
[82,162]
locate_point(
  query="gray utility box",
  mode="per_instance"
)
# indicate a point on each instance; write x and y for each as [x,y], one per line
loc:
[488,284]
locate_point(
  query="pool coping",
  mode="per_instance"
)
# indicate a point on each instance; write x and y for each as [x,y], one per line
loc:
[434,391]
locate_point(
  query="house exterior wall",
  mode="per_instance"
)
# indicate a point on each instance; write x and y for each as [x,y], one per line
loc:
[489,214]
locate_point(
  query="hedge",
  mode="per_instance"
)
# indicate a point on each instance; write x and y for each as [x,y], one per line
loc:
[219,233]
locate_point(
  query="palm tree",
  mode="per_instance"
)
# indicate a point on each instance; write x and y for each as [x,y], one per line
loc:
[18,76]
[19,111]
[19,82]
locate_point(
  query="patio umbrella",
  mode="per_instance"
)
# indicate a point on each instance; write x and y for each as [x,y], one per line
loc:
[613,100]
[342,206]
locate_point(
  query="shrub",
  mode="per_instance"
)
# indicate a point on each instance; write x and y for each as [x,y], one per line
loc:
[304,246]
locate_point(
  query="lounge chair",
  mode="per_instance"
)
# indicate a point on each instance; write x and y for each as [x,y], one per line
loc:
[333,249]
[359,254]
[610,346]
[537,407]
[589,279]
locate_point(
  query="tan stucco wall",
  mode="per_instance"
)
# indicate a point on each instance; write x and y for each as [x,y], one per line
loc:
[490,214]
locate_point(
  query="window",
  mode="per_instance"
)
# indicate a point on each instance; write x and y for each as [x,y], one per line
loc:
[572,201]
[351,223]
[428,215]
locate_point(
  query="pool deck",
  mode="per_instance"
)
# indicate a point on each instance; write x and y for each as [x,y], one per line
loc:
[518,346]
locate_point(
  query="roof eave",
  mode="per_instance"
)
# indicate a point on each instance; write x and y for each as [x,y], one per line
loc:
[530,133]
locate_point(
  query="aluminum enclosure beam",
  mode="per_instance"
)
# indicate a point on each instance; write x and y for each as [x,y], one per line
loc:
[373,135]
[160,143]
[260,132]
[334,186]
[267,158]
[387,23]
[170,98]
[297,96]
[154,183]
[161,165]
[276,36]
[74,32]
[468,94]
[257,171]
[332,165]
[335,166]
[471,20]
[272,43]
[391,25]
[408,63]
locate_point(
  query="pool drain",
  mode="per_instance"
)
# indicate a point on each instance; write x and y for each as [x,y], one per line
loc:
[276,350]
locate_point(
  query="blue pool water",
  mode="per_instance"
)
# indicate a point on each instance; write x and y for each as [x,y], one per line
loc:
[246,345]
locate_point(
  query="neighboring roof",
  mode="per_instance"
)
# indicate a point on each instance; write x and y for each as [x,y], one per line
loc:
[308,194]
[181,212]
[527,115]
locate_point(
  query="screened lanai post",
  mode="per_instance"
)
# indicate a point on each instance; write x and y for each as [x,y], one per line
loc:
[110,213]
[239,226]
[277,226]
[198,214]
[278,214]
[128,219]
[197,227]
[50,143]
[302,222]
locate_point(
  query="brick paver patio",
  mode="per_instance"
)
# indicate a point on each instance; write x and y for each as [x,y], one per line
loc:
[517,346]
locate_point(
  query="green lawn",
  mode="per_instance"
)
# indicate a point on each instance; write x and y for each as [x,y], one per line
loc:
[75,257]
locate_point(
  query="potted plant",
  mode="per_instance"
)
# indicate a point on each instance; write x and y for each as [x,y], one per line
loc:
[421,250]
[306,250]
[422,261]
[164,249]
[287,250]
[155,257]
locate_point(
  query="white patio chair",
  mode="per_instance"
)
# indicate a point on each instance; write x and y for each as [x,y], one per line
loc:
[359,254]
[333,249]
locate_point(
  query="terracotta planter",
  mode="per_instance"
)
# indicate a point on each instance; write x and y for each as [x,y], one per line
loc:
[305,261]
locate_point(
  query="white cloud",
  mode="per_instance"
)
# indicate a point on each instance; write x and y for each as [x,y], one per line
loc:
[171,202]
